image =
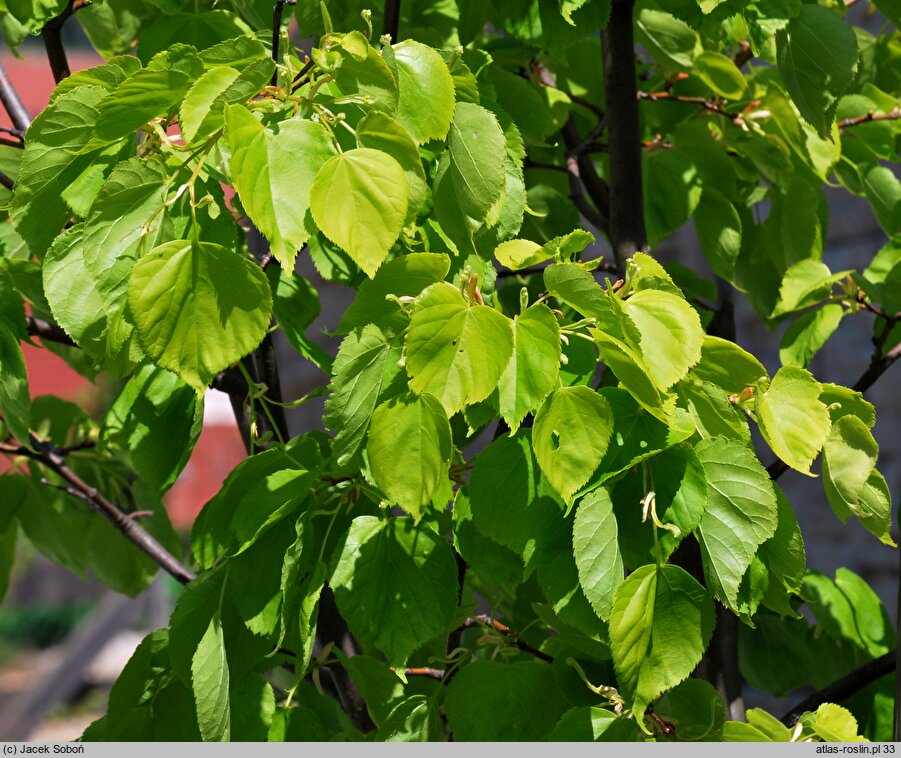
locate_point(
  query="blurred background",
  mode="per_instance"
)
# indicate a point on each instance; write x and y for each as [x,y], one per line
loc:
[63,641]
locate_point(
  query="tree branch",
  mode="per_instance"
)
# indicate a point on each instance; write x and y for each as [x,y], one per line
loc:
[277,11]
[12,103]
[48,332]
[6,181]
[53,40]
[483,619]
[843,688]
[391,24]
[893,115]
[627,226]
[705,104]
[44,452]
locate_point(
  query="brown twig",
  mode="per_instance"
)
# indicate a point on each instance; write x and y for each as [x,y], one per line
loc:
[427,671]
[843,688]
[483,619]
[706,104]
[48,332]
[870,116]
[6,181]
[45,453]
[744,54]
[12,103]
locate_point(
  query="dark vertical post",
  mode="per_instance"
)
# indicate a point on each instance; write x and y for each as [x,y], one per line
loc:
[627,229]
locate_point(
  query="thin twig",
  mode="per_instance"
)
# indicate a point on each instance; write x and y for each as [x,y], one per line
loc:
[391,24]
[608,268]
[706,104]
[12,103]
[48,332]
[11,143]
[423,671]
[892,115]
[45,453]
[843,688]
[483,619]
[6,181]
[744,54]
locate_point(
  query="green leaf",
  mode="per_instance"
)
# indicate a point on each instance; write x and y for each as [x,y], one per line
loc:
[793,420]
[415,719]
[362,70]
[209,678]
[405,276]
[202,111]
[125,221]
[694,709]
[499,702]
[676,478]
[596,550]
[477,147]
[409,450]
[192,618]
[380,687]
[199,30]
[842,401]
[521,99]
[726,365]
[719,231]
[672,42]
[785,559]
[883,191]
[850,479]
[456,352]
[381,132]
[15,401]
[426,102]
[274,173]
[660,625]
[51,161]
[807,335]
[817,56]
[157,419]
[396,585]
[805,283]
[534,366]
[198,308]
[365,371]
[591,724]
[258,493]
[833,724]
[359,201]
[146,94]
[848,609]
[572,432]
[671,334]
[508,505]
[720,74]
[74,297]
[673,191]
[295,305]
[741,514]
[485,556]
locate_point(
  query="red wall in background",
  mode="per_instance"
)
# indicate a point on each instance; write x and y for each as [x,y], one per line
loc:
[219,449]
